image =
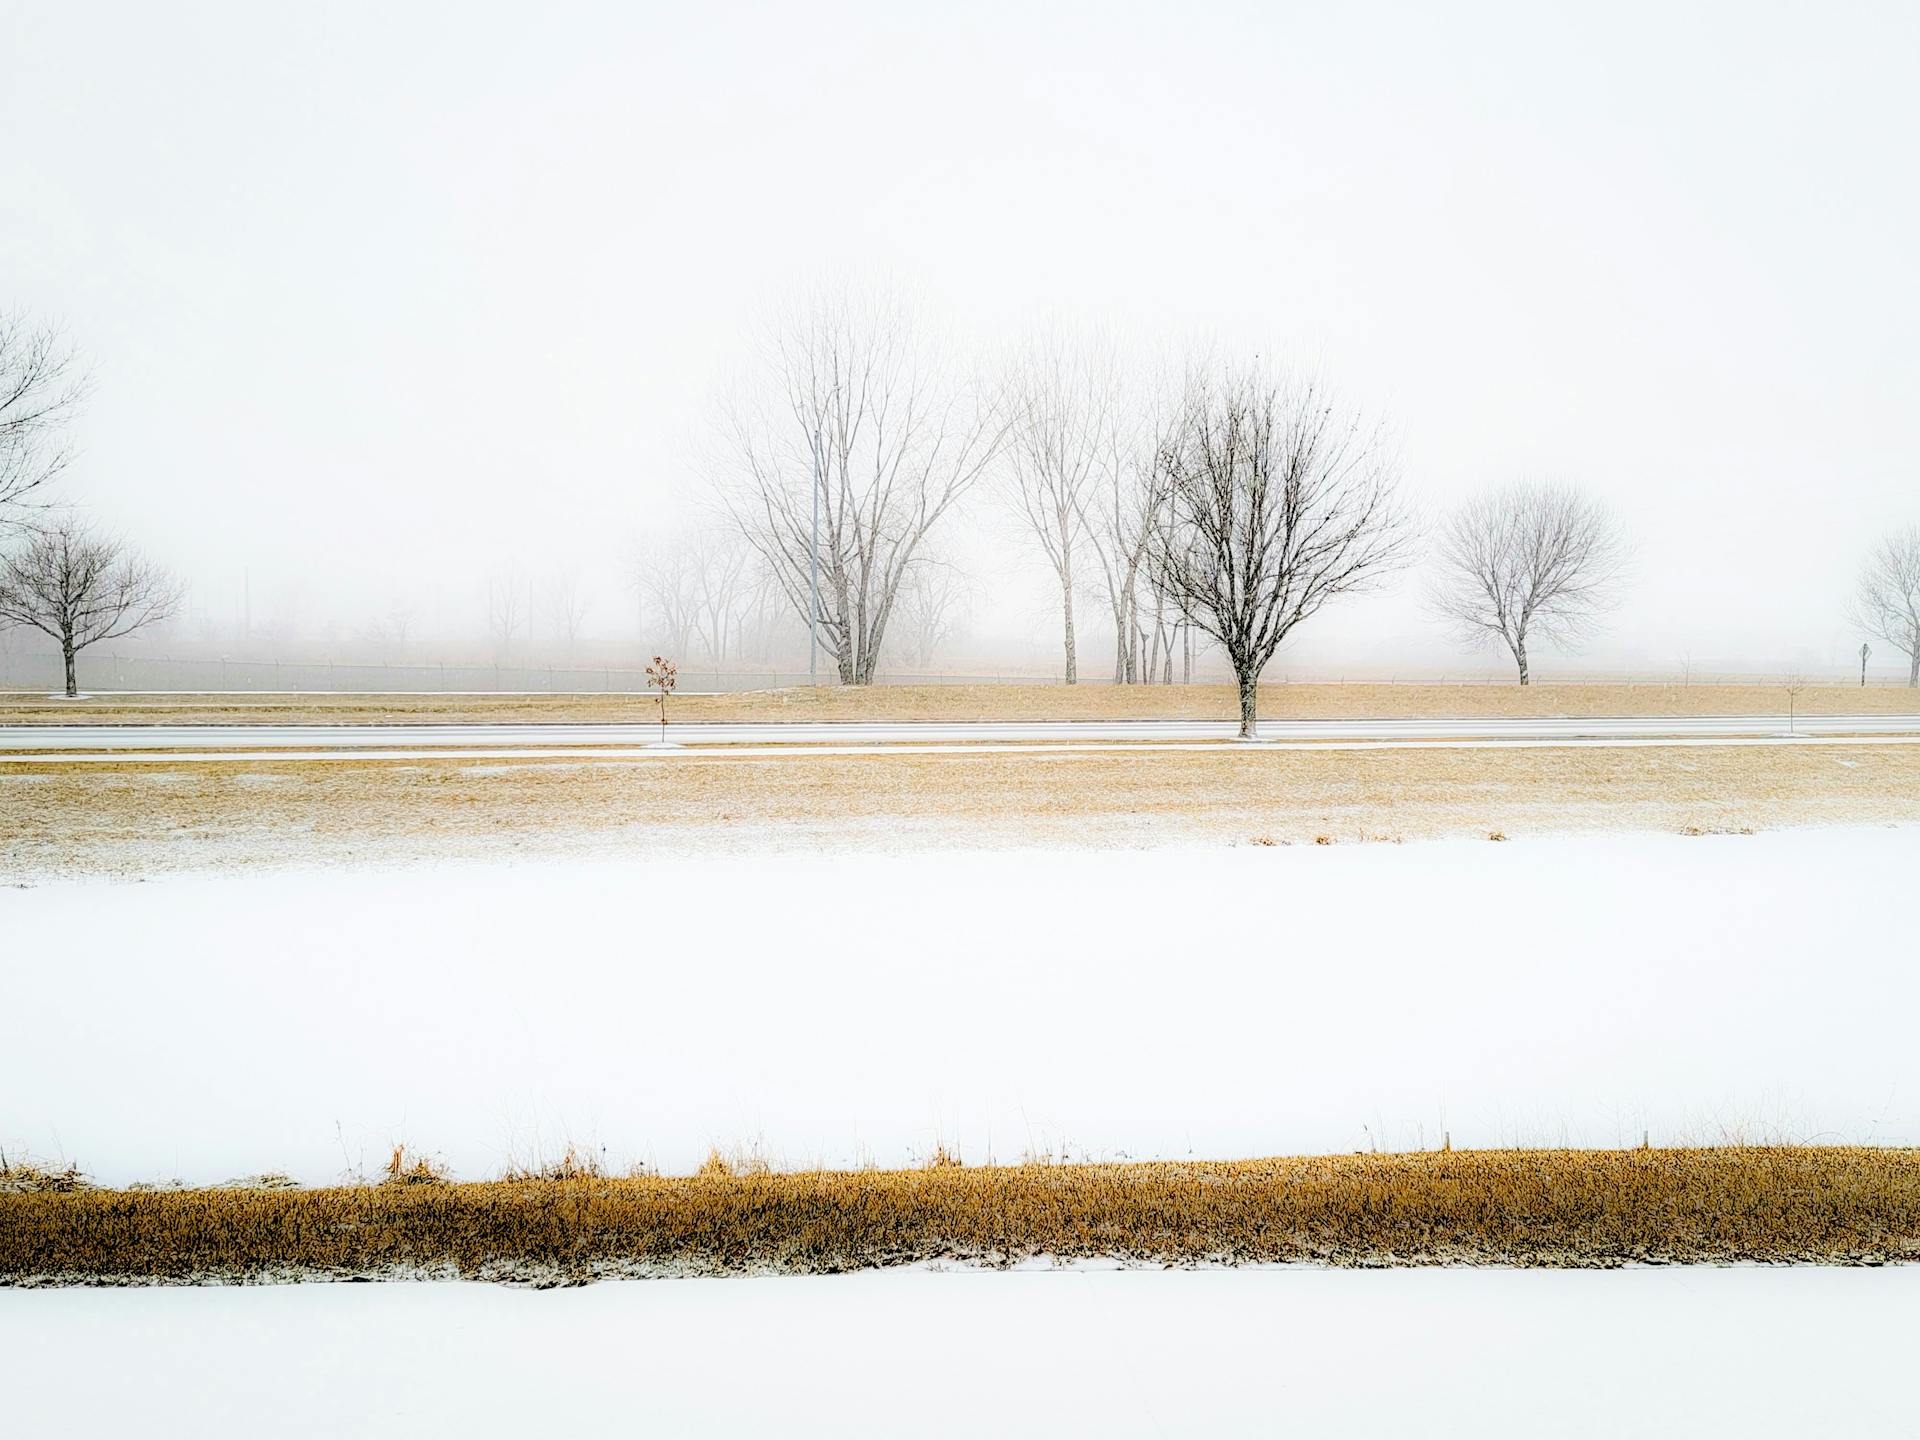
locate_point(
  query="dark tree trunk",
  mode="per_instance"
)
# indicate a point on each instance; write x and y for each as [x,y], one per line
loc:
[1249,703]
[73,688]
[1520,655]
[1913,672]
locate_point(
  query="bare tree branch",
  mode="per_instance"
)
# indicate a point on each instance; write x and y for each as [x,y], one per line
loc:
[41,385]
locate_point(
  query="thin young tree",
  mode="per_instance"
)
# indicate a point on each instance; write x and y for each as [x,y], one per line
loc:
[41,385]
[1062,401]
[80,587]
[1887,605]
[865,442]
[1526,562]
[1278,501]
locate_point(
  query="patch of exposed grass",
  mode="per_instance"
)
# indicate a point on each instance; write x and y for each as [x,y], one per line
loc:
[78,819]
[1520,1207]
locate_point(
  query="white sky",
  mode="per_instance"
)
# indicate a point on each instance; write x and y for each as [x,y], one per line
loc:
[382,299]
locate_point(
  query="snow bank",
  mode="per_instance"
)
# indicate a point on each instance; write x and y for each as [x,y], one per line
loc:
[1491,1354]
[836,1009]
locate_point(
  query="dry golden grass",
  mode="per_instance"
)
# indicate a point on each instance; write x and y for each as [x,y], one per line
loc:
[1520,1207]
[973,702]
[115,819]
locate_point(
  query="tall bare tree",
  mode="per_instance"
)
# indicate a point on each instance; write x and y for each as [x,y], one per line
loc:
[1277,502]
[1887,605]
[1063,401]
[1528,561]
[80,587]
[867,440]
[41,385]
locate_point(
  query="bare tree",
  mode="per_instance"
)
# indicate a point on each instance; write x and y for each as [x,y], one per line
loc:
[506,612]
[81,587]
[1277,502]
[1887,605]
[562,599]
[391,629]
[1528,561]
[723,576]
[1062,404]
[665,575]
[41,385]
[699,589]
[935,600]
[1126,509]
[867,440]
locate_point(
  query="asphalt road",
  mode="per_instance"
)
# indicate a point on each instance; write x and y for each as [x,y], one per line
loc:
[238,740]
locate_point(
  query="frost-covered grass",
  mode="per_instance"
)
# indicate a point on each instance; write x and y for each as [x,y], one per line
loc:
[1513,1207]
[1650,1354]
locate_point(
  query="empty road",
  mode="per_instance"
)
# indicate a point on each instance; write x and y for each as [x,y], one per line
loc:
[55,743]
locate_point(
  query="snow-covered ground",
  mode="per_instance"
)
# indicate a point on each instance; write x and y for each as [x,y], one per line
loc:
[1490,1354]
[834,1009]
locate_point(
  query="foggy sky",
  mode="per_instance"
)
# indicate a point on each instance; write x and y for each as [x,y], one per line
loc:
[382,300]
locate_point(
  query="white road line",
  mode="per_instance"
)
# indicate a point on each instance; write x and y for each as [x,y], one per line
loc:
[605,756]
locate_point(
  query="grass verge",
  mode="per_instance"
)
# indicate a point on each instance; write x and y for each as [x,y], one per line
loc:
[1566,1208]
[108,819]
[954,703]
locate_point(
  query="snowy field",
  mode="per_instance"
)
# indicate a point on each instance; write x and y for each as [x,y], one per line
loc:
[1217,1003]
[1490,1354]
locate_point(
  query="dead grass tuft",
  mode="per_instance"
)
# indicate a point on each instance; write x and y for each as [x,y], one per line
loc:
[405,1169]
[573,1165]
[1839,1205]
[739,1162]
[29,1177]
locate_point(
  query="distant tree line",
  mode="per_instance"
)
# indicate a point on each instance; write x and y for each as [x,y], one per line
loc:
[1215,505]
